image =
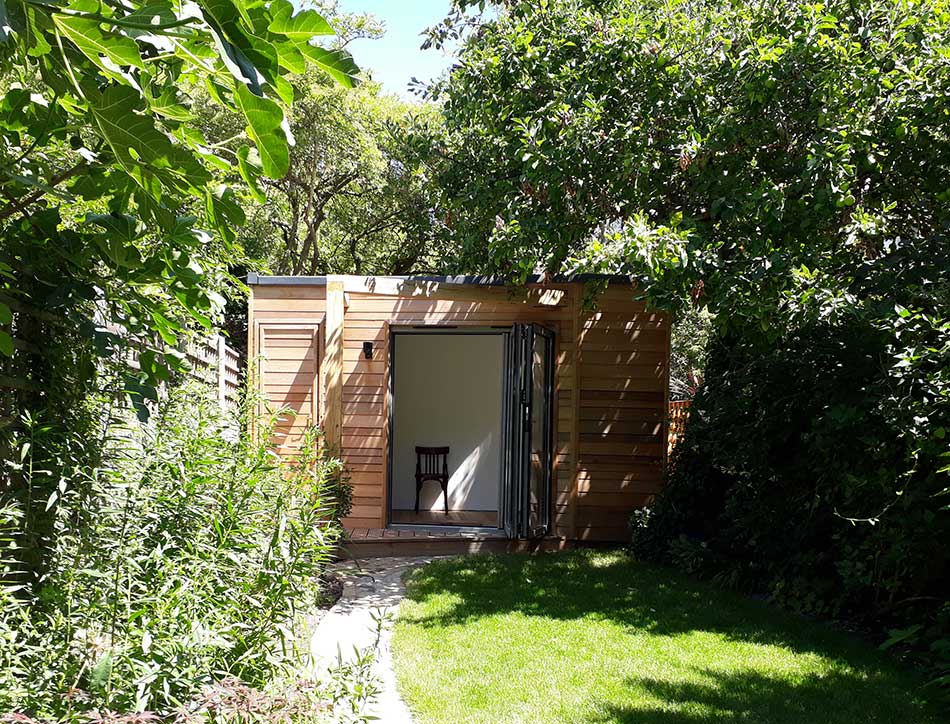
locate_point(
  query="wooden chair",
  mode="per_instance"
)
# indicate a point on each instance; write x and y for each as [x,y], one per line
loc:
[428,468]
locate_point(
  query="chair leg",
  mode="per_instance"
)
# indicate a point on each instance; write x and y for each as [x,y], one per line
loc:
[418,486]
[445,496]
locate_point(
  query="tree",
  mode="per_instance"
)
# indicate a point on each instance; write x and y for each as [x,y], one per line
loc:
[354,200]
[783,165]
[107,179]
[116,236]
[696,137]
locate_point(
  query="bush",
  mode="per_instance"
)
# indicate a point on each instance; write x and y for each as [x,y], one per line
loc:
[814,469]
[181,562]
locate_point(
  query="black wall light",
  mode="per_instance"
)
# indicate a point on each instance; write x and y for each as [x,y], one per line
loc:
[368,350]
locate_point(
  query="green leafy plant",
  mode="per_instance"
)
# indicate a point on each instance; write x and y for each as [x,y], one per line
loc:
[117,245]
[117,240]
[782,165]
[186,558]
[108,179]
[814,470]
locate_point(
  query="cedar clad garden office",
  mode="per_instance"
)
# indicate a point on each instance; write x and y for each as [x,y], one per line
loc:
[553,413]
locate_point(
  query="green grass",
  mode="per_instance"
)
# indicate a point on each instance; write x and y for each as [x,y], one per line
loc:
[596,637]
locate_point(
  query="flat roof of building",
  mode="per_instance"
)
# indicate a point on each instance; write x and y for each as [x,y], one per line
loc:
[474,280]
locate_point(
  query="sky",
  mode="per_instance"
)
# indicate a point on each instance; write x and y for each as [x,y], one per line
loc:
[396,58]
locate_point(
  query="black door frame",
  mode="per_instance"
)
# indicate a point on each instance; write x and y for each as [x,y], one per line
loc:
[518,483]
[508,332]
[444,330]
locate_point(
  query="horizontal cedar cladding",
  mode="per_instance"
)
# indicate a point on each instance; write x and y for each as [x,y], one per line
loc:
[370,317]
[615,414]
[624,360]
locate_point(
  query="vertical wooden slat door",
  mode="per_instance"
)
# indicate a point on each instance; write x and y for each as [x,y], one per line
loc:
[289,377]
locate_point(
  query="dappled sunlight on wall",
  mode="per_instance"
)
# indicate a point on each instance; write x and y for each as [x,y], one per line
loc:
[464,478]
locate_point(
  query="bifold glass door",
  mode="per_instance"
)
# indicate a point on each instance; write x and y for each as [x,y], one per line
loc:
[529,456]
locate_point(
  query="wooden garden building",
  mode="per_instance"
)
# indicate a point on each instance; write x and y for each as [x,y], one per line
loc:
[467,410]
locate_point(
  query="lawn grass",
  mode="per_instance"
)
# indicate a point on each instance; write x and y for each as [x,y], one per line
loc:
[592,636]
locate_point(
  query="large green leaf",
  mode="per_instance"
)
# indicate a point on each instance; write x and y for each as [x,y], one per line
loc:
[264,119]
[300,27]
[33,33]
[147,154]
[122,227]
[167,104]
[224,211]
[6,344]
[338,63]
[290,57]
[131,135]
[239,65]
[95,44]
[222,17]
[118,252]
[152,14]
[249,166]
[250,57]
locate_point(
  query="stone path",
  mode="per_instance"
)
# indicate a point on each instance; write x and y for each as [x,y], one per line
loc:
[371,587]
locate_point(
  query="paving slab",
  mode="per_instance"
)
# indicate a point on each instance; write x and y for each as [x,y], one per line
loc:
[372,588]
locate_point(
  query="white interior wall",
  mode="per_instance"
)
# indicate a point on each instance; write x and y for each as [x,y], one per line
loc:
[448,391]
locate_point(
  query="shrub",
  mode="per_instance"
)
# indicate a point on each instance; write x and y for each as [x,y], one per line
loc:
[814,469]
[181,562]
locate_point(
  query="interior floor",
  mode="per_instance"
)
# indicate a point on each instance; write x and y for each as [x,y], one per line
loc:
[480,518]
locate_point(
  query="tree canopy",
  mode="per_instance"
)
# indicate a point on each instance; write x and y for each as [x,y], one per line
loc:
[111,198]
[784,165]
[356,199]
[741,144]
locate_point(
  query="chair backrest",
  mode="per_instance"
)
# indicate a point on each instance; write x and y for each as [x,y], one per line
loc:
[432,460]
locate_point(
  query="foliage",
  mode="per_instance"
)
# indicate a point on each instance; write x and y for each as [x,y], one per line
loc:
[689,339]
[184,559]
[107,181]
[105,174]
[593,636]
[355,200]
[116,243]
[815,470]
[141,564]
[784,165]
[727,143]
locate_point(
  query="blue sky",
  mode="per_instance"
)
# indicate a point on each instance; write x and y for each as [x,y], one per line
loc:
[396,58]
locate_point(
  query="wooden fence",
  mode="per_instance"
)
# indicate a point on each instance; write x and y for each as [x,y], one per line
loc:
[214,362]
[678,415]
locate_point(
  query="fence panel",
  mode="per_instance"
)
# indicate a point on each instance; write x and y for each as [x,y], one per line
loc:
[214,362]
[678,415]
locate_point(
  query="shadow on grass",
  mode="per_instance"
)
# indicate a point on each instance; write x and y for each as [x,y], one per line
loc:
[858,683]
[611,587]
[749,696]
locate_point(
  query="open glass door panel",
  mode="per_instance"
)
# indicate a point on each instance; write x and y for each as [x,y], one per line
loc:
[539,451]
[528,479]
